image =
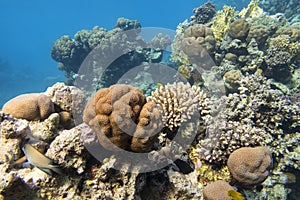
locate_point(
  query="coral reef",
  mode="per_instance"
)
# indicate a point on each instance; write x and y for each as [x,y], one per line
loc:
[68,150]
[250,166]
[200,139]
[118,50]
[30,107]
[290,8]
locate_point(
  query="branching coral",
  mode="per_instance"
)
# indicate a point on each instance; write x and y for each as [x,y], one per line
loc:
[178,102]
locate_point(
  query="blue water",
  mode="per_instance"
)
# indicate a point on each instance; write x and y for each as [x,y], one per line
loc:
[28,29]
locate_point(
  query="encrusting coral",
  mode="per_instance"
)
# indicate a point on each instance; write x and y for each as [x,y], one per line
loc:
[250,166]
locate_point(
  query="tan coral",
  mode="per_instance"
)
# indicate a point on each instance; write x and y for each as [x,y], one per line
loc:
[250,166]
[217,190]
[148,126]
[120,112]
[178,102]
[31,107]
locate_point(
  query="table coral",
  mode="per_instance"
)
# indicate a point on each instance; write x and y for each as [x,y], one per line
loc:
[250,166]
[31,107]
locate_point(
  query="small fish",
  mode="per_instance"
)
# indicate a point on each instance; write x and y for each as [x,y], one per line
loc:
[41,161]
[160,85]
[235,195]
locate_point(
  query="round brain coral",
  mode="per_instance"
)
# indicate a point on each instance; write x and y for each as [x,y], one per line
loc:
[217,190]
[31,107]
[239,29]
[178,102]
[120,112]
[250,166]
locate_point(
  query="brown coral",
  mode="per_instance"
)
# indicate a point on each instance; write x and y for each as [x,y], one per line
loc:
[239,29]
[217,190]
[259,32]
[197,42]
[146,132]
[250,166]
[178,102]
[113,114]
[31,107]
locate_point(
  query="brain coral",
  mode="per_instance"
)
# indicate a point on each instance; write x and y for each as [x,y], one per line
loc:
[250,166]
[31,107]
[239,29]
[113,114]
[178,102]
[198,36]
[217,190]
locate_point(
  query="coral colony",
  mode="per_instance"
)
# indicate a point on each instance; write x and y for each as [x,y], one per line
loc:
[227,130]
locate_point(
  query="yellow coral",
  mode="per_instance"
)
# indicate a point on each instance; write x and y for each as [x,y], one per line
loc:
[185,71]
[206,173]
[283,43]
[221,22]
[252,10]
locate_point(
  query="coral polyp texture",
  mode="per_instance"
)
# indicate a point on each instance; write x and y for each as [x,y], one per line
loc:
[178,102]
[119,114]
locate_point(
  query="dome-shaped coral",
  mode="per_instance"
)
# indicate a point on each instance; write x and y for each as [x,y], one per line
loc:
[250,166]
[239,29]
[31,107]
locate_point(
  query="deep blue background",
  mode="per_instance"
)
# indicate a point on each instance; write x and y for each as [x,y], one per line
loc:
[28,29]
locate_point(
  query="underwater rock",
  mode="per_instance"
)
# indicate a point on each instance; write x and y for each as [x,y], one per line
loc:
[250,166]
[46,130]
[31,107]
[70,100]
[68,150]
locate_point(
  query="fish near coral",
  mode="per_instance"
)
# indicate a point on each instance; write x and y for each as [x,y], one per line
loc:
[40,161]
[235,195]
